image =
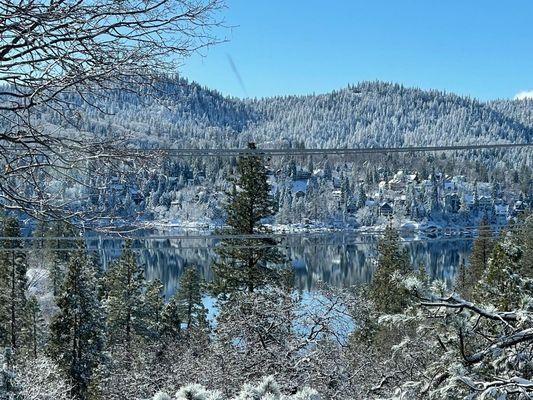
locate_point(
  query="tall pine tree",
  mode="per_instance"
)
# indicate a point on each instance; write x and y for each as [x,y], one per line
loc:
[34,326]
[52,249]
[125,299]
[505,283]
[481,252]
[153,308]
[13,284]
[189,299]
[393,263]
[171,320]
[77,330]
[462,282]
[247,264]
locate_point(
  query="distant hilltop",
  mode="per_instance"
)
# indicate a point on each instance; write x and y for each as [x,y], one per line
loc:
[370,114]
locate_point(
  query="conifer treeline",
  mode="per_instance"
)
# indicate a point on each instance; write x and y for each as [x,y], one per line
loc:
[97,312]
[105,322]
[117,311]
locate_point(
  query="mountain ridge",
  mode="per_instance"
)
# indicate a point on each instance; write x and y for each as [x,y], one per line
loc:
[367,114]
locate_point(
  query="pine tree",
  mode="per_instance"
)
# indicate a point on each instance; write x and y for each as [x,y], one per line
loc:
[125,300]
[424,277]
[247,264]
[34,326]
[8,386]
[292,169]
[475,196]
[481,251]
[346,193]
[525,235]
[96,263]
[285,209]
[57,274]
[13,284]
[501,284]
[361,197]
[393,263]
[153,308]
[328,175]
[77,330]
[189,299]
[462,282]
[310,165]
[170,319]
[53,249]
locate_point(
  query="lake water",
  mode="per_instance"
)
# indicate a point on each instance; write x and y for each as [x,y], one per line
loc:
[341,260]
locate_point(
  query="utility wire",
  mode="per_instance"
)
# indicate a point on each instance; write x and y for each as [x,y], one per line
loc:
[328,151]
[221,152]
[221,236]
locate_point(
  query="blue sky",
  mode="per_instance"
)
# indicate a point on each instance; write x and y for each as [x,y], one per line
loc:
[479,48]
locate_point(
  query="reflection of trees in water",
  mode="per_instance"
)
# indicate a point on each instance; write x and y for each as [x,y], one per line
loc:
[162,259]
[335,261]
[441,259]
[345,264]
[168,263]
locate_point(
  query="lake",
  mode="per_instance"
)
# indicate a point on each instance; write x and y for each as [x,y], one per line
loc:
[340,260]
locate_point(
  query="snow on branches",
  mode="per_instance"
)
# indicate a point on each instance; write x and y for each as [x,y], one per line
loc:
[266,389]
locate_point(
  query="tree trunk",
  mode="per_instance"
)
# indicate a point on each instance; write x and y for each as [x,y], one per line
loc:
[13,303]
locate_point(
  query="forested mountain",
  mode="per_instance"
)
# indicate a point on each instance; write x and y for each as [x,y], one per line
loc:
[367,114]
[179,114]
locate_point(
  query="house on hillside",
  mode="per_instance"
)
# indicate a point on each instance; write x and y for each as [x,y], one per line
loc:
[385,209]
[397,183]
[302,174]
[485,203]
[501,211]
[519,207]
[448,186]
[470,202]
[452,203]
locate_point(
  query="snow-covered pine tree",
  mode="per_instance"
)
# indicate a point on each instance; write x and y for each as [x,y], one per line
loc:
[393,263]
[171,320]
[189,298]
[462,283]
[13,284]
[124,304]
[34,327]
[481,251]
[8,386]
[52,249]
[361,197]
[247,264]
[500,284]
[153,308]
[77,330]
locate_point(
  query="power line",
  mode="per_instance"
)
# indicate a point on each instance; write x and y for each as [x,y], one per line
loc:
[330,151]
[285,235]
[221,152]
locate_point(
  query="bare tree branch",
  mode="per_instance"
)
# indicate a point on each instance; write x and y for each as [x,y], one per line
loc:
[58,54]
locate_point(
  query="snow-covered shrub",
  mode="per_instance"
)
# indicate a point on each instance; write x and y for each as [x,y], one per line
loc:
[32,379]
[266,389]
[195,392]
[162,396]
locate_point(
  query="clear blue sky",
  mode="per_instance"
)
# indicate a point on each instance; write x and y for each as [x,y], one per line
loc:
[480,48]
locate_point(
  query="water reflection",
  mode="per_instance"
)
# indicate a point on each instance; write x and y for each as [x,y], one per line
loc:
[339,261]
